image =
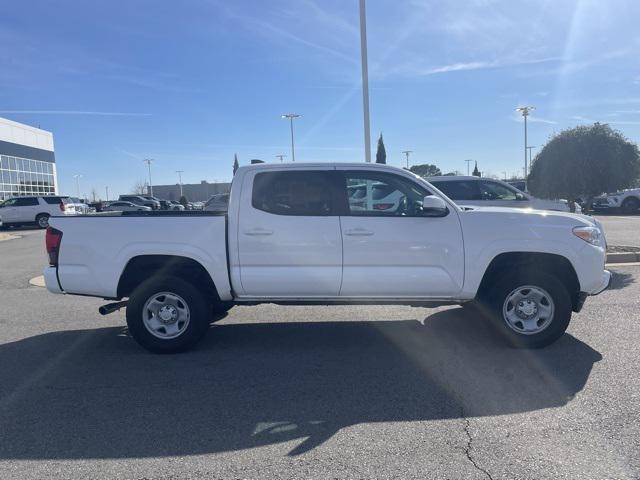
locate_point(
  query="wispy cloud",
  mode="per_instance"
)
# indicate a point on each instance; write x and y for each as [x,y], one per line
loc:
[516,117]
[583,119]
[77,112]
[414,68]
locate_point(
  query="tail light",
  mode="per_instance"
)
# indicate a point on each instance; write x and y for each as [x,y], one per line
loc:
[52,241]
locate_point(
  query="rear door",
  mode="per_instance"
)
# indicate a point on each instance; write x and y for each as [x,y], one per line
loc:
[289,241]
[390,249]
[25,209]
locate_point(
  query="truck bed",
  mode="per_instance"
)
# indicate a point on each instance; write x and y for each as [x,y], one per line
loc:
[108,242]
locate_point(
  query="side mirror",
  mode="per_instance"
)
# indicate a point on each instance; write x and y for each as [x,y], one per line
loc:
[433,206]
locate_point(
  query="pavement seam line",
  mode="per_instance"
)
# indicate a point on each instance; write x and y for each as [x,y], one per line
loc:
[469,446]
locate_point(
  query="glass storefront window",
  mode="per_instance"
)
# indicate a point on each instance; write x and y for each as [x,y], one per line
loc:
[23,176]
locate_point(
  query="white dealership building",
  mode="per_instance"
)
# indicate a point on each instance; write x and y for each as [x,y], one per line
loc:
[27,161]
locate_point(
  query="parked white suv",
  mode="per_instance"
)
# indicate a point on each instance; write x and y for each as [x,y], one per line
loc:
[33,209]
[487,192]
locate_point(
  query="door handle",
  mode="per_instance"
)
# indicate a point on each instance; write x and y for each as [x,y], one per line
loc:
[258,231]
[358,232]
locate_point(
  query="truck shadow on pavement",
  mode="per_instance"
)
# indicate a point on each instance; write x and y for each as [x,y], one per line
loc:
[96,394]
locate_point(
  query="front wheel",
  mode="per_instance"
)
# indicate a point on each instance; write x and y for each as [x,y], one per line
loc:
[167,315]
[530,309]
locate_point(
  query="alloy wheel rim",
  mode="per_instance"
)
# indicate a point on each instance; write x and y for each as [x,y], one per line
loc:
[528,310]
[166,315]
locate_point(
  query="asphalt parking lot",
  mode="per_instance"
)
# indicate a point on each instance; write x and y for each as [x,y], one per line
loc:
[313,392]
[621,229]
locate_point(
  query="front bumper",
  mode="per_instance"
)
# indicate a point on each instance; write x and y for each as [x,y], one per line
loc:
[604,284]
[582,296]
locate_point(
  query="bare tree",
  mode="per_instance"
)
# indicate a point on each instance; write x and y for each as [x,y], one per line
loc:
[139,188]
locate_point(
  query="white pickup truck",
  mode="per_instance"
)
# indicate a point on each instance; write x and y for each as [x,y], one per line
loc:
[293,235]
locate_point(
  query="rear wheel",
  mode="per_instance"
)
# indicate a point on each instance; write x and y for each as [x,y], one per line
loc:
[530,309]
[631,205]
[167,315]
[42,220]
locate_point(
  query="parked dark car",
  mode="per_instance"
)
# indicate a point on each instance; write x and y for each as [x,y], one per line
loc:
[140,200]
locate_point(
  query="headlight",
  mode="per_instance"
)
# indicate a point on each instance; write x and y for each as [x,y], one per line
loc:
[592,235]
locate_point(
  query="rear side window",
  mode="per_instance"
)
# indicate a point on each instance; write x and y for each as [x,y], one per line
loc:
[305,193]
[26,202]
[459,190]
[55,200]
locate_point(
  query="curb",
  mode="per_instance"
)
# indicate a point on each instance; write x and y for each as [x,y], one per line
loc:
[623,257]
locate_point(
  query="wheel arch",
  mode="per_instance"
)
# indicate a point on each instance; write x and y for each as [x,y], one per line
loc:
[537,261]
[142,267]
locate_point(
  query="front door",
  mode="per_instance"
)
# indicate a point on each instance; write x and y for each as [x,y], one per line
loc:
[390,248]
[289,242]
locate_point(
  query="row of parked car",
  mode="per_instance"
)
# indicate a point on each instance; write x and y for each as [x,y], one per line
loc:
[38,209]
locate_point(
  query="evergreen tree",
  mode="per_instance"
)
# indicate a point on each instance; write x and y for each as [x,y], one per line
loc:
[381,153]
[236,165]
[476,172]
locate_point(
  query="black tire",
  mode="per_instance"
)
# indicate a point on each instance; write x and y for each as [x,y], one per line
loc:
[631,205]
[555,326]
[198,308]
[42,220]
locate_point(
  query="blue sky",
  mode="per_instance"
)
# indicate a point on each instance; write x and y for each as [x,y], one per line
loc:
[191,83]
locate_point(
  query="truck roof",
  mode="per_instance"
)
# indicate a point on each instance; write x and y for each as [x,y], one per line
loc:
[268,166]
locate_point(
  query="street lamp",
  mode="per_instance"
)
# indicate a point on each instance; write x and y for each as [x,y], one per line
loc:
[468,160]
[180,172]
[149,161]
[406,154]
[365,81]
[291,117]
[280,157]
[525,113]
[531,147]
[78,177]
[106,189]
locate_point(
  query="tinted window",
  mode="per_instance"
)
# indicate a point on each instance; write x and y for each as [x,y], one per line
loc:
[54,200]
[293,193]
[383,194]
[459,190]
[26,202]
[496,191]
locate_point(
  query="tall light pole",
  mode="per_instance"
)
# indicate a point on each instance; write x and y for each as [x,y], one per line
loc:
[78,177]
[525,113]
[280,157]
[149,161]
[365,80]
[291,117]
[106,189]
[180,172]
[406,154]
[505,175]
[531,147]
[468,160]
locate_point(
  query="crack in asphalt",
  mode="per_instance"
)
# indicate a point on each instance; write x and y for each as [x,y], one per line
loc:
[468,447]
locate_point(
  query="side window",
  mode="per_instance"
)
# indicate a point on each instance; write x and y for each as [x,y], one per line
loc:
[299,193]
[459,190]
[26,202]
[53,200]
[496,191]
[383,194]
